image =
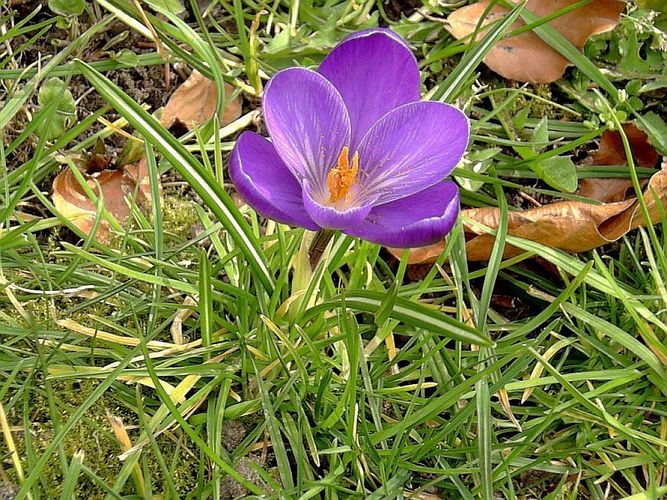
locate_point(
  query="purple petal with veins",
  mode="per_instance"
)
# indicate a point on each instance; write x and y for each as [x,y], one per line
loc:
[352,147]
[375,72]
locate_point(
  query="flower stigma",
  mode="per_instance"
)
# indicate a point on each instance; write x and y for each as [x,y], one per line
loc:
[342,177]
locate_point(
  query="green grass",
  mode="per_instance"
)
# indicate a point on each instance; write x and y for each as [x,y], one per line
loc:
[357,378]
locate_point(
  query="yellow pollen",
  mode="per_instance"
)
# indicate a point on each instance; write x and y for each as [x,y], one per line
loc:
[342,177]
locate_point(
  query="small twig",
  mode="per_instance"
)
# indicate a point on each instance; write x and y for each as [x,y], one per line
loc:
[167,76]
[158,44]
[530,199]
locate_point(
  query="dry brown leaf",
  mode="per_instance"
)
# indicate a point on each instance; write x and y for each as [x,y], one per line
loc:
[191,104]
[194,102]
[611,152]
[421,255]
[569,225]
[116,185]
[526,57]
[605,190]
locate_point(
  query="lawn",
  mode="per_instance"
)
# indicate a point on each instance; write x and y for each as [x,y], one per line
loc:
[169,330]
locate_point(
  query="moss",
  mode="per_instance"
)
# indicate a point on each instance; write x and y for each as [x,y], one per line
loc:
[93,435]
[179,214]
[538,108]
[541,108]
[42,310]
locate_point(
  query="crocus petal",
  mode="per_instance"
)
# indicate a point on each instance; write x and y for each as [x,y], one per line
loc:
[418,220]
[409,149]
[375,72]
[307,121]
[265,183]
[330,217]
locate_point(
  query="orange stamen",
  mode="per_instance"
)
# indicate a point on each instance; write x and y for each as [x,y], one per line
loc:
[342,177]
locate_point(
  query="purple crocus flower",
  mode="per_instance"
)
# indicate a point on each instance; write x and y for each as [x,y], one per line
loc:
[353,148]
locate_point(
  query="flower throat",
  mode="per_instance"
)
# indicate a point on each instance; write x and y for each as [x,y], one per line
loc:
[342,177]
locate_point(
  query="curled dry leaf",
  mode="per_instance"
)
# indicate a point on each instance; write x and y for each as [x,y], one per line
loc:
[116,185]
[194,102]
[569,225]
[526,57]
[611,152]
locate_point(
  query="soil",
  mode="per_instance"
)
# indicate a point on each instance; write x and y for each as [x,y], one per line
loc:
[232,433]
[147,85]
[536,484]
[230,488]
[397,8]
[8,491]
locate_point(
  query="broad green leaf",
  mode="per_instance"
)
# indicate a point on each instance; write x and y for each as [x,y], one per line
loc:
[55,90]
[67,7]
[559,172]
[541,133]
[657,5]
[173,6]
[631,59]
[126,57]
[520,118]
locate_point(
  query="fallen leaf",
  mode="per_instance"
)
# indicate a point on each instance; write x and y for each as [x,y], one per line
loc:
[195,101]
[526,57]
[612,152]
[607,190]
[116,185]
[571,226]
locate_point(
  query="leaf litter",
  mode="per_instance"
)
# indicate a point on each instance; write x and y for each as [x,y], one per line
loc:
[192,104]
[572,226]
[525,57]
